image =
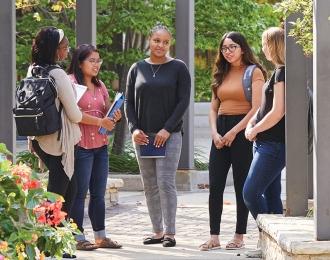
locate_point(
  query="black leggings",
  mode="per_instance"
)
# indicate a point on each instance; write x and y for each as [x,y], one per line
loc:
[239,156]
[58,181]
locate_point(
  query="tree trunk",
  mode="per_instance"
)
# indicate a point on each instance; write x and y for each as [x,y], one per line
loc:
[121,128]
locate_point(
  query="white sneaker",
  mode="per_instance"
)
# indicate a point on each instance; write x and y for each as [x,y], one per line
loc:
[256,253]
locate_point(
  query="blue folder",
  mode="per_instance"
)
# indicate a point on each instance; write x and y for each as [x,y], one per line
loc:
[151,151]
[117,103]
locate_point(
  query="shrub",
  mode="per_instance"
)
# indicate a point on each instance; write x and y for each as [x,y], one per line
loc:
[32,223]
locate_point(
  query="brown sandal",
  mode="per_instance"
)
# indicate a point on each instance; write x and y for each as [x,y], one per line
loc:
[85,245]
[108,243]
[235,244]
[209,245]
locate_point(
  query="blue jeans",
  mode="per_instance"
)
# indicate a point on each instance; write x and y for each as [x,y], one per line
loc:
[91,170]
[262,188]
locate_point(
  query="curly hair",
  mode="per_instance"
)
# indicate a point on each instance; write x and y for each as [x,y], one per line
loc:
[45,45]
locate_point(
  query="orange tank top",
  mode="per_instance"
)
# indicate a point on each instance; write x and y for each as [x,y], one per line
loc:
[231,95]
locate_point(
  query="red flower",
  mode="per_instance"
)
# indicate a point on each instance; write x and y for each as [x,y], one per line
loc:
[50,213]
[31,185]
[22,171]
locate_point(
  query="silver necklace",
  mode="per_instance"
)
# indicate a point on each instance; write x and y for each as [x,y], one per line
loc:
[154,71]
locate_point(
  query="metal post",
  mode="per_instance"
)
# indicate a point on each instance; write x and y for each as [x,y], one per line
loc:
[184,24]
[309,77]
[86,21]
[296,127]
[7,73]
[321,95]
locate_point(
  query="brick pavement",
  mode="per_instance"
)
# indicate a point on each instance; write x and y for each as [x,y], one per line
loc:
[129,222]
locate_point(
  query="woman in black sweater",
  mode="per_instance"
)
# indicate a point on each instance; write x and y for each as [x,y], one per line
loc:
[157,96]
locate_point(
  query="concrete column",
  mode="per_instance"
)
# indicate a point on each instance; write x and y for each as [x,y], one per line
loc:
[296,127]
[7,73]
[321,106]
[184,24]
[86,21]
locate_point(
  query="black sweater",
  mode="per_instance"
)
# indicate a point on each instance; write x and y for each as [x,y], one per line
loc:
[154,103]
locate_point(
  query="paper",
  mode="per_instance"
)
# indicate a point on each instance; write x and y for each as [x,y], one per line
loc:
[116,105]
[80,91]
[151,151]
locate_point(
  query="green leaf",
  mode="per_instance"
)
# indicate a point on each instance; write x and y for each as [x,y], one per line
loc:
[30,251]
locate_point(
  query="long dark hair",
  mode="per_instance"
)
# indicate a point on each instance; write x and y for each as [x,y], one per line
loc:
[80,54]
[44,46]
[222,66]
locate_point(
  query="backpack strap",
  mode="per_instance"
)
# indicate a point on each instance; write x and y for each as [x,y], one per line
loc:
[247,82]
[49,68]
[60,130]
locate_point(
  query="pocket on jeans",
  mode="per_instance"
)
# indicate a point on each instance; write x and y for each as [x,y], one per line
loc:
[270,148]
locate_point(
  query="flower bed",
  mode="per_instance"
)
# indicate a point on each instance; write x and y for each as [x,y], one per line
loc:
[32,224]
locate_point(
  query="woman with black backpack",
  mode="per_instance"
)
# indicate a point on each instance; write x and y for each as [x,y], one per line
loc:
[56,149]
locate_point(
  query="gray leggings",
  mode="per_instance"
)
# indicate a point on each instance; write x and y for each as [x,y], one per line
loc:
[158,175]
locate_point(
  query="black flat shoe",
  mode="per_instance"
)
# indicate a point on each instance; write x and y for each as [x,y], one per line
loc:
[151,240]
[169,242]
[66,255]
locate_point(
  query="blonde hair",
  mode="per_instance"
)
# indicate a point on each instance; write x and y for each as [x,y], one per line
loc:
[273,37]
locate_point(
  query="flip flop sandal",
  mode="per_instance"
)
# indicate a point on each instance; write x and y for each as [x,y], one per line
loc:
[85,245]
[207,246]
[108,243]
[235,245]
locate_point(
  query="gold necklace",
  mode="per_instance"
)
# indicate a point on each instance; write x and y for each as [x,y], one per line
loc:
[154,71]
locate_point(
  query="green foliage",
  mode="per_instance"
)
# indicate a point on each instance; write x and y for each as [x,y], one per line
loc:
[215,17]
[201,161]
[4,150]
[302,29]
[203,78]
[29,159]
[34,14]
[125,162]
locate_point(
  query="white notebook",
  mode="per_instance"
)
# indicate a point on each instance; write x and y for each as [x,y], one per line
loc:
[80,91]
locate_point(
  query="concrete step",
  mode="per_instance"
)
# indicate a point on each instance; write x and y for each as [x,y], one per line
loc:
[291,238]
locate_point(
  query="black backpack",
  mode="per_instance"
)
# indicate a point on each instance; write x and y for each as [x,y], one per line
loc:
[35,111]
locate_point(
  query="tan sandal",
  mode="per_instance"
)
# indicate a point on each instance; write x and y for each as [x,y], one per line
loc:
[85,245]
[108,243]
[209,245]
[235,244]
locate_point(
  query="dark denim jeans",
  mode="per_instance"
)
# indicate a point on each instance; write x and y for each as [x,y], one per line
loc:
[58,181]
[91,170]
[262,188]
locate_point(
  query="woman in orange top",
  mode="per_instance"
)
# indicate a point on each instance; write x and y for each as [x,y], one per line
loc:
[229,114]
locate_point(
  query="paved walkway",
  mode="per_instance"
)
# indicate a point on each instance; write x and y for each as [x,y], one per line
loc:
[129,222]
